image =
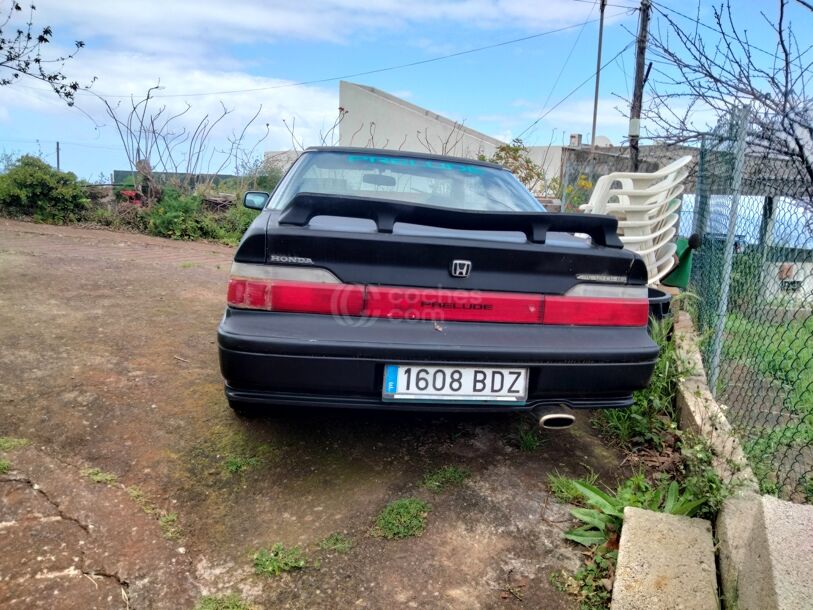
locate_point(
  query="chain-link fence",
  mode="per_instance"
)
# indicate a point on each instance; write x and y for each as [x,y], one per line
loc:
[753,279]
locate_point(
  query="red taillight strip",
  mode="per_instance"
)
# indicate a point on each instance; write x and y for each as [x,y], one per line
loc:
[452,305]
[434,304]
[588,311]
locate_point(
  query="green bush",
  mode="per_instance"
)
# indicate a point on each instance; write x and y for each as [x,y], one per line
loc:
[181,217]
[235,222]
[31,187]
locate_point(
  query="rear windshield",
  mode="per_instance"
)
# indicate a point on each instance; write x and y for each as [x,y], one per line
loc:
[464,186]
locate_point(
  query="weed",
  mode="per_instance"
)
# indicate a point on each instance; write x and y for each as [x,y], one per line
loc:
[100,476]
[170,528]
[402,519]
[237,464]
[528,439]
[699,478]
[448,476]
[139,498]
[9,443]
[653,411]
[564,490]
[231,601]
[593,582]
[5,466]
[188,265]
[278,560]
[605,512]
[336,542]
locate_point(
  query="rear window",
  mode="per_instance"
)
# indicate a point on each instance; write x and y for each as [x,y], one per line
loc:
[437,182]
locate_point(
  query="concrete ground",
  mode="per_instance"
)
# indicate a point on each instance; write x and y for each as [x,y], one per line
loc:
[109,362]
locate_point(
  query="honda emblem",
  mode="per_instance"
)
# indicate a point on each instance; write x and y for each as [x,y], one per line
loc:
[460,268]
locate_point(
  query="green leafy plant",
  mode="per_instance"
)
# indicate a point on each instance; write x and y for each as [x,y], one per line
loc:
[603,513]
[402,519]
[564,490]
[31,187]
[231,601]
[278,560]
[653,411]
[528,438]
[235,222]
[5,466]
[447,476]
[336,542]
[181,217]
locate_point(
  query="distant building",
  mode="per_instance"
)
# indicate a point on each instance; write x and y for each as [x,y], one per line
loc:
[377,119]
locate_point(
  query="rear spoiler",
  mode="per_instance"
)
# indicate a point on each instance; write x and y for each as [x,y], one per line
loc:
[385,213]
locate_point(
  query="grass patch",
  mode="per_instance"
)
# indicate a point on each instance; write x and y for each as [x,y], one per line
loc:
[170,528]
[9,443]
[442,478]
[336,542]
[98,475]
[564,490]
[278,560]
[5,466]
[231,601]
[237,464]
[403,518]
[168,522]
[528,438]
[141,499]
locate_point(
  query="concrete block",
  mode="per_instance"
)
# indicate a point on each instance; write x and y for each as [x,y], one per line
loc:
[789,534]
[702,415]
[665,562]
[745,571]
[766,553]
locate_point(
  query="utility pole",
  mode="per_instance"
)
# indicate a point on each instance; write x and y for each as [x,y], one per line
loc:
[598,72]
[640,79]
[57,156]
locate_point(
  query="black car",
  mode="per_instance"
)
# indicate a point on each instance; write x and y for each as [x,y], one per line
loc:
[393,280]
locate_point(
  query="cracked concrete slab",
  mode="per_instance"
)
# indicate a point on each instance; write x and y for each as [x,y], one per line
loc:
[90,541]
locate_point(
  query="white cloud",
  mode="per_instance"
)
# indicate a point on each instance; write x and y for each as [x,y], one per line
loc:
[193,46]
[136,24]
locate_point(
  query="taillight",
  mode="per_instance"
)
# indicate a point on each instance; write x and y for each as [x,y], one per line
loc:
[585,311]
[267,290]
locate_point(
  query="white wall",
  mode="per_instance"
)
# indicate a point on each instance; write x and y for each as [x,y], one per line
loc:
[377,119]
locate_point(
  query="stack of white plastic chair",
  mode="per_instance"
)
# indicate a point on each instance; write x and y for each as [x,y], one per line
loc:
[648,210]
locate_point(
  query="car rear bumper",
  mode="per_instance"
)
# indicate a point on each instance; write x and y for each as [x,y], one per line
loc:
[317,360]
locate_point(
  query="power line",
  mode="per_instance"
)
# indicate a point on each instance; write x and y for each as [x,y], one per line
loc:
[368,72]
[570,54]
[574,90]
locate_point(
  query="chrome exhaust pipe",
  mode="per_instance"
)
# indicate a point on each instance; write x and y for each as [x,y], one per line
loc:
[559,417]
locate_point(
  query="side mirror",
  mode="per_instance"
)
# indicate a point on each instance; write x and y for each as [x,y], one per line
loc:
[255,200]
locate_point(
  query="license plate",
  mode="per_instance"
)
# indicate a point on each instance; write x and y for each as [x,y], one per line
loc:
[409,382]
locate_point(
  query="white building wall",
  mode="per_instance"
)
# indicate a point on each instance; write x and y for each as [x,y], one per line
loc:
[377,119]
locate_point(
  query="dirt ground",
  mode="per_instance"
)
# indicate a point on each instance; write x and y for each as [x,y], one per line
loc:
[109,362]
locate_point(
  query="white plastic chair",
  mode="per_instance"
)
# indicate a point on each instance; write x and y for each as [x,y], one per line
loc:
[647,207]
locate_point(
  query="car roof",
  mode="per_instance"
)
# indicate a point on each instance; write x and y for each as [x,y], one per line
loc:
[401,153]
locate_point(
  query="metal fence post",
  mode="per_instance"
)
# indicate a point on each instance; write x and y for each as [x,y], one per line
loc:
[701,200]
[740,147]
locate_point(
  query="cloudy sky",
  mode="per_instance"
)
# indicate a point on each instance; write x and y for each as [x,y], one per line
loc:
[250,55]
